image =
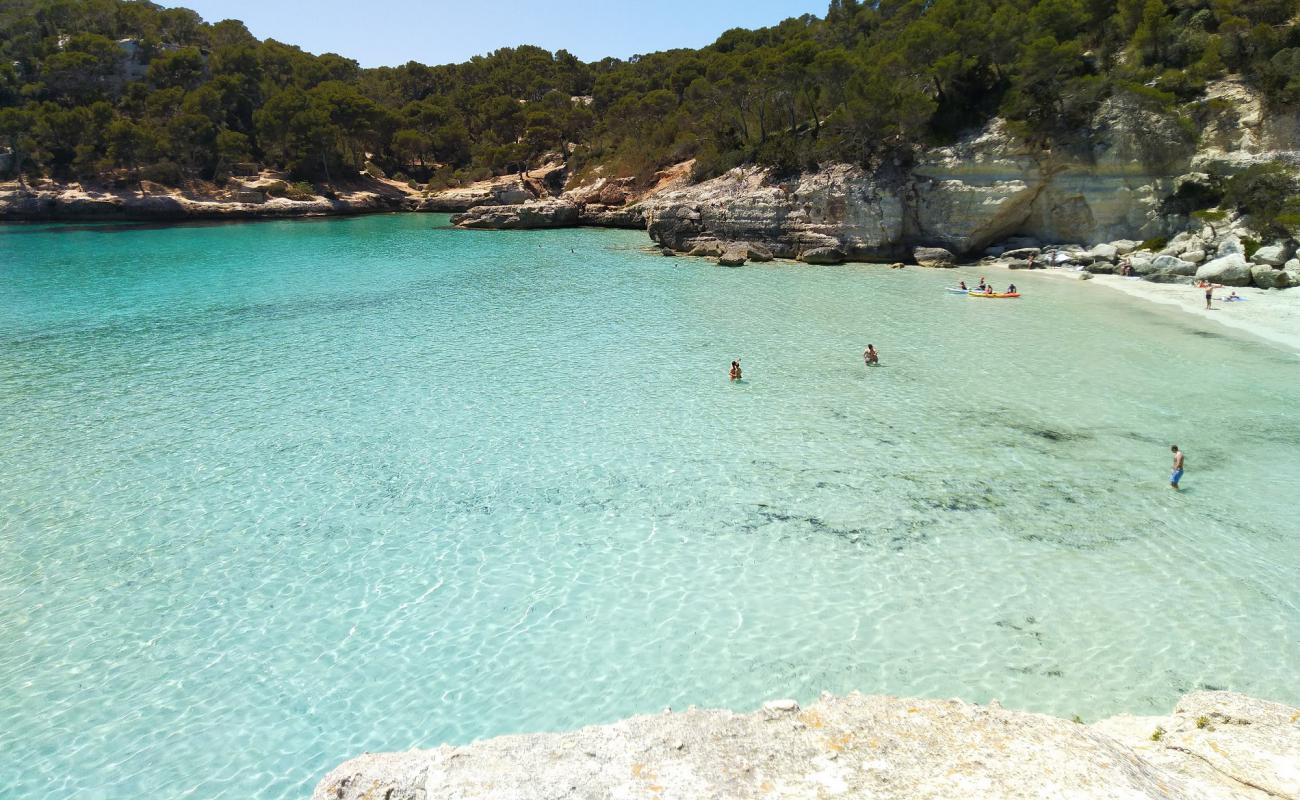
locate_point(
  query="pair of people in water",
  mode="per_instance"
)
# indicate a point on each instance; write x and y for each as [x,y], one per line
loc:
[869,356]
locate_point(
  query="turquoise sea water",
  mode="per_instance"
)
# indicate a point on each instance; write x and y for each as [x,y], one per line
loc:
[272,495]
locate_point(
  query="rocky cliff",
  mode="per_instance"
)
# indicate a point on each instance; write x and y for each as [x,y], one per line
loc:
[1112,183]
[1214,746]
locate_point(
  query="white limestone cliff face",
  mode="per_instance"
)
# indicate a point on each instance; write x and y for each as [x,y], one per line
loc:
[838,207]
[1111,184]
[1214,746]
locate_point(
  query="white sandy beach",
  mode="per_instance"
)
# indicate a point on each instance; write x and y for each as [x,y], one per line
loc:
[1273,315]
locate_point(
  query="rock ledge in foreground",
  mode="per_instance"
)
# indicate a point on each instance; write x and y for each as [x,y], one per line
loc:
[1215,746]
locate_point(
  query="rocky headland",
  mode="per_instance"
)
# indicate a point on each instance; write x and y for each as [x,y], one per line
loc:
[1214,746]
[1115,198]
[1112,198]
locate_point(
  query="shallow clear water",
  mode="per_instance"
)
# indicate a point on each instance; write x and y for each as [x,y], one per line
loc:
[276,494]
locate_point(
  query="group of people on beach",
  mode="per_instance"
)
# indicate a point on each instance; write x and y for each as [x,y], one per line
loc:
[985,287]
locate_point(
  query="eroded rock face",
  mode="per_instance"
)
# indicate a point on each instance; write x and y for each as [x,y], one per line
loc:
[933,257]
[839,207]
[1214,746]
[543,214]
[823,255]
[962,198]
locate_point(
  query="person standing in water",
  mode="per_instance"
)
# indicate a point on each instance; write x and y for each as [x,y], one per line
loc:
[1209,294]
[870,357]
[1177,474]
[735,370]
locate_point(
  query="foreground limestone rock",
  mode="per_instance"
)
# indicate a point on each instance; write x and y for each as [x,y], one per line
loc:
[1215,746]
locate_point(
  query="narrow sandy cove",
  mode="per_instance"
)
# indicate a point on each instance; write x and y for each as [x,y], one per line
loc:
[1273,315]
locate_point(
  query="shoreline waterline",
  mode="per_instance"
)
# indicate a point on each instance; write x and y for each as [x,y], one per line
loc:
[1271,316]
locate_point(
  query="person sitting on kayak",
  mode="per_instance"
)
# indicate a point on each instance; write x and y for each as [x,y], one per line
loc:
[1011,289]
[988,289]
[962,286]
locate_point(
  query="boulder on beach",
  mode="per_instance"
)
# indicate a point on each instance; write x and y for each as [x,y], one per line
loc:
[822,255]
[1229,270]
[1274,255]
[1229,245]
[1125,246]
[709,248]
[733,256]
[1266,277]
[1292,270]
[933,257]
[757,252]
[1142,264]
[1022,252]
[1173,265]
[1194,256]
[1104,252]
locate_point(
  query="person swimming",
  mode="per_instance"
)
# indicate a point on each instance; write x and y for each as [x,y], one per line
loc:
[735,373]
[870,357]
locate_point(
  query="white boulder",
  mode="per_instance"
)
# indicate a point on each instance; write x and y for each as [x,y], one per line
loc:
[1229,270]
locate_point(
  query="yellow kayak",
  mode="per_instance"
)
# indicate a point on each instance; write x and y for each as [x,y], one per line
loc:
[973,293]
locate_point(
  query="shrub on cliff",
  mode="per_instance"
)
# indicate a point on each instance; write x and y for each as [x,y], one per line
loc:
[1266,193]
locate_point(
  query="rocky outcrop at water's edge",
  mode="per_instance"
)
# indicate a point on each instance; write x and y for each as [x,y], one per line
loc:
[1214,746]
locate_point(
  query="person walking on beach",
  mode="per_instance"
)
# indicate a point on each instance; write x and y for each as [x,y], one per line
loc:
[1177,474]
[870,357]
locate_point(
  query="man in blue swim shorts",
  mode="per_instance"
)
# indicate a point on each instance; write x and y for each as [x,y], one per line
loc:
[1178,467]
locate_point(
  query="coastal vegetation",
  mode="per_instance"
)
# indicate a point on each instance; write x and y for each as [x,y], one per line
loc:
[94,89]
